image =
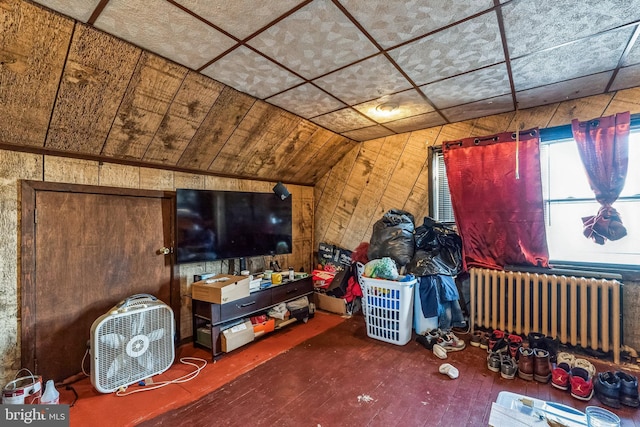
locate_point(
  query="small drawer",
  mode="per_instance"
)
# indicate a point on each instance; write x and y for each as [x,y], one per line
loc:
[291,290]
[246,305]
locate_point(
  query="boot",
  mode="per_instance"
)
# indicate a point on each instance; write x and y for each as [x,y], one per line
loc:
[525,363]
[541,367]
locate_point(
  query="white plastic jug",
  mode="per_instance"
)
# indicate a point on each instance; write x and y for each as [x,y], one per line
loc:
[51,396]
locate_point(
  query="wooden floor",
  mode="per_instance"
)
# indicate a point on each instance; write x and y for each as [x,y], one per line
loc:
[341,377]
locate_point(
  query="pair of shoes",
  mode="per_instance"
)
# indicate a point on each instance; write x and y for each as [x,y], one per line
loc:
[581,379]
[617,388]
[562,371]
[477,337]
[449,370]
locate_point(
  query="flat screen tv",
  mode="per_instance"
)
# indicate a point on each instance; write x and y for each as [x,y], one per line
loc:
[214,225]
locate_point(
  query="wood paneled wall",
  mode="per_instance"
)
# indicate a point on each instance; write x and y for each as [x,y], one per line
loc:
[393,172]
[16,166]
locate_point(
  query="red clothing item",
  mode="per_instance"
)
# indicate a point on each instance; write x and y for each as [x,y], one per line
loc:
[353,290]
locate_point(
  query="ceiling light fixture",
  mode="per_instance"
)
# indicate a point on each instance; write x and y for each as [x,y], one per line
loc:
[387,108]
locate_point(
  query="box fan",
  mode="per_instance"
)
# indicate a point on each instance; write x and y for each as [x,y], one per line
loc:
[131,342]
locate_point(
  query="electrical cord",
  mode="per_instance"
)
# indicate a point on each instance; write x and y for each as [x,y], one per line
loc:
[187,377]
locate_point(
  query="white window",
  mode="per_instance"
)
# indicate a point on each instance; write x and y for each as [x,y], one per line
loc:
[567,198]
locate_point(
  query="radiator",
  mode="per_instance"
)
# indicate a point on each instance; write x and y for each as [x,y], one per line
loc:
[577,310]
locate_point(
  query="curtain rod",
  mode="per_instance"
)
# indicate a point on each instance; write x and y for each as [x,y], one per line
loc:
[564,131]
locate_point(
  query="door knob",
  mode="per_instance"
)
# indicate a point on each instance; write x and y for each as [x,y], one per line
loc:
[164,251]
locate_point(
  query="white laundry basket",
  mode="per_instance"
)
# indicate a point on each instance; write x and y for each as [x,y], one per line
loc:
[388,309]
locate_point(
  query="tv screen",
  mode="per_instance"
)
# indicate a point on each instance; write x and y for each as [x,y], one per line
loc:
[214,225]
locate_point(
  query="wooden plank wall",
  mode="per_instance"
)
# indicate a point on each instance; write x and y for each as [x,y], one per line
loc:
[393,172]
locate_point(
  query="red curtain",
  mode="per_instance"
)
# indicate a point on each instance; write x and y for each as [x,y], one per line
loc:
[604,148]
[496,195]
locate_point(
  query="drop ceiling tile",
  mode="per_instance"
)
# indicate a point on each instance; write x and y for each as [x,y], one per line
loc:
[627,77]
[342,120]
[470,87]
[246,71]
[584,57]
[314,40]
[80,10]
[239,18]
[560,21]
[422,121]
[163,28]
[562,91]
[472,44]
[306,101]
[365,80]
[634,55]
[410,103]
[394,21]
[486,107]
[365,134]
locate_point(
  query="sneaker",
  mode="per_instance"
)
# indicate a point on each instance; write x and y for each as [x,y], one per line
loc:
[476,338]
[496,335]
[494,360]
[581,383]
[607,389]
[450,342]
[515,342]
[628,389]
[499,346]
[536,340]
[508,367]
[560,376]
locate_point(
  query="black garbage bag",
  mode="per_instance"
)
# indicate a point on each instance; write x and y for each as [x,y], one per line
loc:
[392,237]
[438,250]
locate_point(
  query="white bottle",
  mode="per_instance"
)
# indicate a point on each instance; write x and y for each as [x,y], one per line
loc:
[51,396]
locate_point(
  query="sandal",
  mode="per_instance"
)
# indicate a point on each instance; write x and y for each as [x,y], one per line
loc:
[449,370]
[439,351]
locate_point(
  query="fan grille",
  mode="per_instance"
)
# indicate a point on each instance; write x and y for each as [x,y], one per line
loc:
[131,346]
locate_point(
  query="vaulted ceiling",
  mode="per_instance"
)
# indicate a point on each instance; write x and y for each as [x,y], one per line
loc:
[254,88]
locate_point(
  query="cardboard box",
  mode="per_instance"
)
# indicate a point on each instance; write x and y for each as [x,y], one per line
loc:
[221,288]
[329,303]
[264,327]
[237,336]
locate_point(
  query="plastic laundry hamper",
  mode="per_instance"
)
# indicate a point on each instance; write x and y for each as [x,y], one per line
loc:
[389,309]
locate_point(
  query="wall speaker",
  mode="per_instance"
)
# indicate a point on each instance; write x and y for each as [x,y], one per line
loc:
[281,191]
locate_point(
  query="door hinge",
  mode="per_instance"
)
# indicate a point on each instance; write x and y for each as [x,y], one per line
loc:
[35,216]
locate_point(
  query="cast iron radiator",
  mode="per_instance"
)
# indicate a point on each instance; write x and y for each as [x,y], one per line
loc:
[578,310]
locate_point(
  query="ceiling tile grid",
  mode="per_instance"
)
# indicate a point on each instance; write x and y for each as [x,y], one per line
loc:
[427,62]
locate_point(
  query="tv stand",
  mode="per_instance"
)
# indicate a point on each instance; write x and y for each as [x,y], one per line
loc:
[218,315]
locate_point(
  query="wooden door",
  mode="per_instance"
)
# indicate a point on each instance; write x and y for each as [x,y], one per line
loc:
[91,248]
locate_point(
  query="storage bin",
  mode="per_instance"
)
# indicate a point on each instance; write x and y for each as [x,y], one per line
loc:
[389,309]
